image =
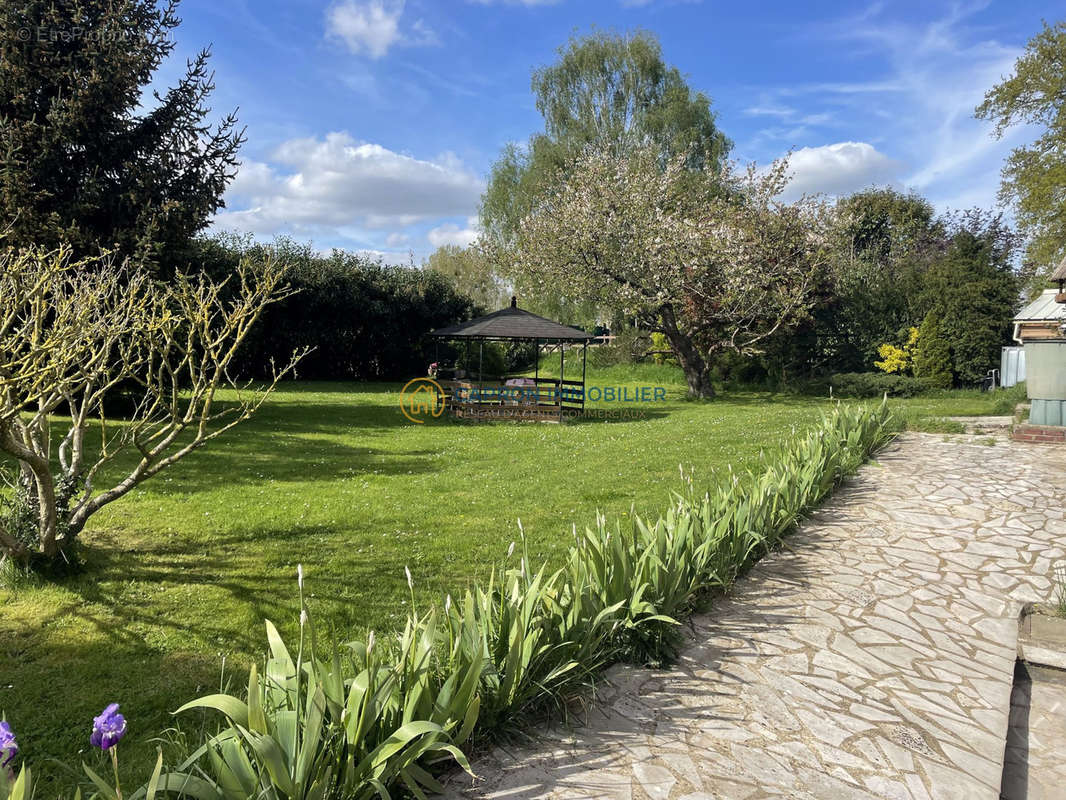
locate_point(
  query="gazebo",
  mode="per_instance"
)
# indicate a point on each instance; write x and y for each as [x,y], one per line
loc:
[525,398]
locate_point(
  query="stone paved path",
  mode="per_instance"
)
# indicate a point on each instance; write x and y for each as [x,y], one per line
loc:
[872,657]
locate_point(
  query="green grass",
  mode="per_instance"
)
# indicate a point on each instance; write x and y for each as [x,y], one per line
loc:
[182,572]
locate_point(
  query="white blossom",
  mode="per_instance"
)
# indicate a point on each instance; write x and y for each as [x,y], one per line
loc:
[712,260]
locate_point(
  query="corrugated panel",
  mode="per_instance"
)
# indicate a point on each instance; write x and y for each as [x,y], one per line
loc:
[1045,368]
[1012,366]
[1044,307]
[1047,412]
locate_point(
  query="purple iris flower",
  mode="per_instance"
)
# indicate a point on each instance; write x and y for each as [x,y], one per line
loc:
[9,748]
[108,728]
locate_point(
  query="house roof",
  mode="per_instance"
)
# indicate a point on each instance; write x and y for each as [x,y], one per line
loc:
[1043,307]
[510,324]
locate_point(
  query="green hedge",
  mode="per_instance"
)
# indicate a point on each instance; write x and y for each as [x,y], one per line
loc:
[359,318]
[877,384]
[377,717]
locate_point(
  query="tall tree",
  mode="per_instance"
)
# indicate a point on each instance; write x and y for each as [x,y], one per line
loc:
[932,360]
[85,158]
[882,242]
[971,289]
[712,271]
[879,242]
[610,91]
[1034,176]
[470,273]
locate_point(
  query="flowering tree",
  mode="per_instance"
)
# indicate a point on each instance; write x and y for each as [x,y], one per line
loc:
[711,260]
[73,331]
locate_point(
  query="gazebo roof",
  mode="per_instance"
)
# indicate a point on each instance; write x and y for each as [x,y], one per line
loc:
[512,324]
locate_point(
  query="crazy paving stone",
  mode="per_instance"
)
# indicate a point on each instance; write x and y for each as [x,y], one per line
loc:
[871,657]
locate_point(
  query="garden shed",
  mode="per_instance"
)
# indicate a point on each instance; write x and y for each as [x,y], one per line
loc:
[481,396]
[1040,327]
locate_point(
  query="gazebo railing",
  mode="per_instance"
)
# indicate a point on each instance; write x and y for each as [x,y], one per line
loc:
[525,398]
[535,398]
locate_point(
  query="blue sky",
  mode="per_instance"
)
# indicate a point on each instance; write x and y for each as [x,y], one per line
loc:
[372,124]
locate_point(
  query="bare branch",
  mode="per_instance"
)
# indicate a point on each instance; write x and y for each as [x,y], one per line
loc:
[71,332]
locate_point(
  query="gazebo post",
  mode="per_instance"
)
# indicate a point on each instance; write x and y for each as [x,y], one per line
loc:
[515,325]
[468,378]
[536,371]
[562,359]
[584,359]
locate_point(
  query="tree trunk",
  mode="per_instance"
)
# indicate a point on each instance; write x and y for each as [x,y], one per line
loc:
[48,519]
[38,484]
[697,370]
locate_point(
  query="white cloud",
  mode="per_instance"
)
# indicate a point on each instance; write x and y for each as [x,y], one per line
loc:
[394,258]
[942,70]
[917,110]
[340,188]
[396,239]
[366,27]
[371,27]
[450,233]
[385,256]
[837,169]
[779,111]
[788,114]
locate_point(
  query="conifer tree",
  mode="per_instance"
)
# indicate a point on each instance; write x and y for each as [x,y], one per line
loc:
[87,157]
[932,359]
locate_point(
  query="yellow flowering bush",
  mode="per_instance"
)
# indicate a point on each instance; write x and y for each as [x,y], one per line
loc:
[898,359]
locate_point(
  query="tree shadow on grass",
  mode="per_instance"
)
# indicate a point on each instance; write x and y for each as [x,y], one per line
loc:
[254,458]
[767,398]
[259,589]
[154,629]
[52,699]
[287,442]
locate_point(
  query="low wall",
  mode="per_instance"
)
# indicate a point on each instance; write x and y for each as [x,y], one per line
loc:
[1044,434]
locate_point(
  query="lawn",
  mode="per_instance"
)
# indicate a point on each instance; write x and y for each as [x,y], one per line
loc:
[181,573]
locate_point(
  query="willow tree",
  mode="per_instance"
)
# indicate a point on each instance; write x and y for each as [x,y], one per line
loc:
[713,271]
[70,331]
[470,273]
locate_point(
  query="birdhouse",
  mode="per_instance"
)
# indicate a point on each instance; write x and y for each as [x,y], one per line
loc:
[1059,277]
